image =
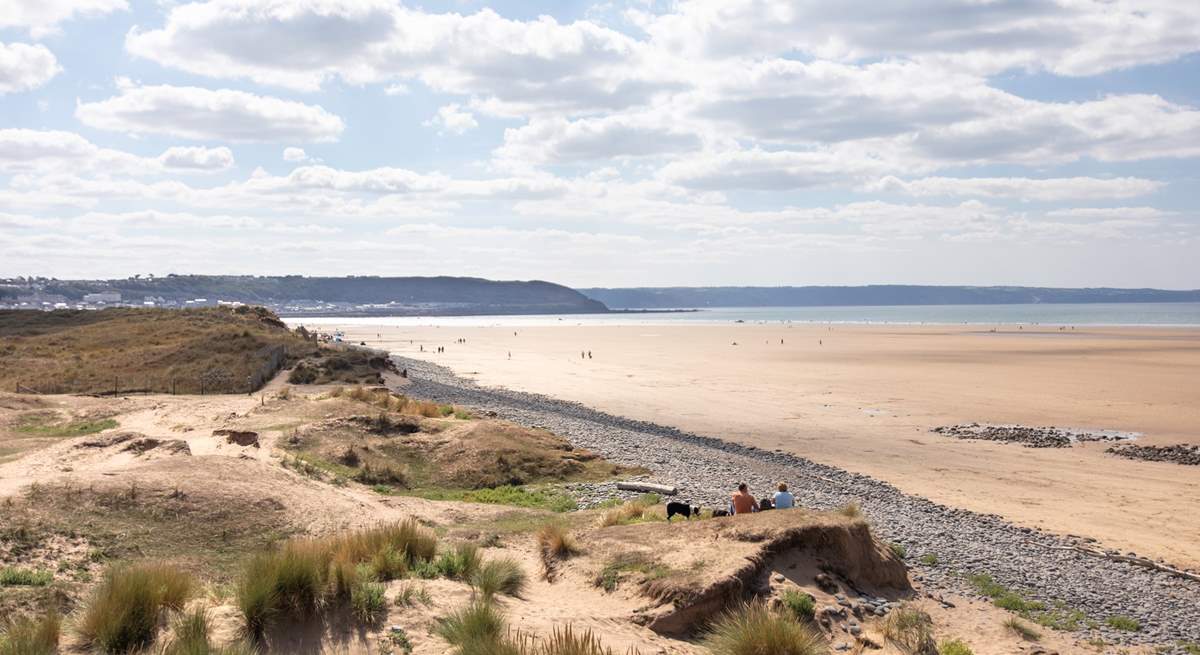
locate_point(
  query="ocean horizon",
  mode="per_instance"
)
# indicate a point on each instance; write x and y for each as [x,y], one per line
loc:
[1184,314]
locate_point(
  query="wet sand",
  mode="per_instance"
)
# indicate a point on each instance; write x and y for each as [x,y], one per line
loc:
[865,397]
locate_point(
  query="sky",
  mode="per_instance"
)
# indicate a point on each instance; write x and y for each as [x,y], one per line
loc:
[638,143]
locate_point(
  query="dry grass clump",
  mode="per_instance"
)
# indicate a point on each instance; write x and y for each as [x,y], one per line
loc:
[399,403]
[1022,629]
[910,629]
[499,576]
[851,510]
[303,574]
[23,635]
[633,511]
[556,541]
[189,636]
[125,609]
[480,629]
[753,629]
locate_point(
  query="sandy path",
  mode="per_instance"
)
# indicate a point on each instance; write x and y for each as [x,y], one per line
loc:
[863,398]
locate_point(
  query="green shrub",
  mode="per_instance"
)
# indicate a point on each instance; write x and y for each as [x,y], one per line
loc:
[367,602]
[124,610]
[929,559]
[503,576]
[28,636]
[803,606]
[898,549]
[753,629]
[954,647]
[15,577]
[910,629]
[1125,623]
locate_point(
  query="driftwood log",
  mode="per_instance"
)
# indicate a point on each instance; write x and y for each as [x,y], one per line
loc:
[647,487]
[1129,559]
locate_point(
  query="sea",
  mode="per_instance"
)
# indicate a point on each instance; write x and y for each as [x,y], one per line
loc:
[1183,314]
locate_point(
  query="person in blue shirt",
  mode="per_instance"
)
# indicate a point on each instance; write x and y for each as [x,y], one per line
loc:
[783,498]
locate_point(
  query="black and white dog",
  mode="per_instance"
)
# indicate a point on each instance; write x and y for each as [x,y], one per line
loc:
[682,509]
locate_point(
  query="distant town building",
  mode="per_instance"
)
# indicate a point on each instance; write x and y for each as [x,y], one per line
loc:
[103,296]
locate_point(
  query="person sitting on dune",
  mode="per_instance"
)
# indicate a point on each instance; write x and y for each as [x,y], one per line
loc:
[742,502]
[784,498]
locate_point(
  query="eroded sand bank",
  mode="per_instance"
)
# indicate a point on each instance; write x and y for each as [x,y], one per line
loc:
[864,398]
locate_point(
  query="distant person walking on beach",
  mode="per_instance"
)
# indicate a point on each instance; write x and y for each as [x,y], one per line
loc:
[784,498]
[742,502]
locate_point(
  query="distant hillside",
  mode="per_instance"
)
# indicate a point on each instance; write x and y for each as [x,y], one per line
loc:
[406,295]
[698,297]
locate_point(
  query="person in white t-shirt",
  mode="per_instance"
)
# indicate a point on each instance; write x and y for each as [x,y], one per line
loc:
[783,498]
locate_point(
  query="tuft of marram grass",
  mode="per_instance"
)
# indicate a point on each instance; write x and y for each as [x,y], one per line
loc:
[801,604]
[189,636]
[499,576]
[124,610]
[556,541]
[1022,629]
[851,510]
[954,647]
[461,562]
[367,602]
[473,628]
[304,574]
[910,629]
[752,629]
[17,577]
[25,635]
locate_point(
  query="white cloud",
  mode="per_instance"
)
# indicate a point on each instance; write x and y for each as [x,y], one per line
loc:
[55,152]
[451,118]
[42,17]
[1020,188]
[1080,37]
[197,158]
[557,140]
[775,170]
[510,66]
[203,114]
[24,67]
[294,154]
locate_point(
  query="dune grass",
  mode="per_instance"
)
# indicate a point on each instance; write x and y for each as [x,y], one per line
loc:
[802,605]
[460,562]
[555,541]
[634,511]
[302,575]
[125,609]
[474,628]
[1022,629]
[954,647]
[499,576]
[753,629]
[910,629]
[367,601]
[189,636]
[23,635]
[11,576]
[1123,623]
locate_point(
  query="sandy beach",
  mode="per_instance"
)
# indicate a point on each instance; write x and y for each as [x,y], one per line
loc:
[865,397]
